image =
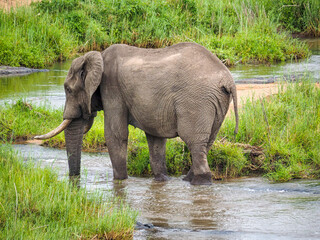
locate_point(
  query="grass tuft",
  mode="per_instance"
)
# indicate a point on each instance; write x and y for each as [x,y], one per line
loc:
[34,203]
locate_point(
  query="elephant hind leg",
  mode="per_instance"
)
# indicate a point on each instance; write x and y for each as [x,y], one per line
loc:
[200,173]
[189,175]
[197,135]
[157,149]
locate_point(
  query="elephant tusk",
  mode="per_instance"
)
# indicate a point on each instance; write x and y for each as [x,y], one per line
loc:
[56,131]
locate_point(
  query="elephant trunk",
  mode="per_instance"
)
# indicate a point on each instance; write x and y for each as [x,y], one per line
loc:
[73,136]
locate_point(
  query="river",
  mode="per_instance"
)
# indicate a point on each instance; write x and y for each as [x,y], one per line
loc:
[245,208]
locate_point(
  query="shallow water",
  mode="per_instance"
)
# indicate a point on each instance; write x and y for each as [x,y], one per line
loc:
[310,66]
[38,88]
[247,208]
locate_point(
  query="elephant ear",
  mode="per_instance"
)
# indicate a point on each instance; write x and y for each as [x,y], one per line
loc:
[93,69]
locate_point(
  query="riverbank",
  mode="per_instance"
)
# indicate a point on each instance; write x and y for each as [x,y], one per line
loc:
[18,71]
[238,32]
[277,136]
[35,203]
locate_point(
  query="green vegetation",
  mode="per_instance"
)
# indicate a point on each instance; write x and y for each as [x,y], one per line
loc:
[30,38]
[278,137]
[286,126]
[237,31]
[33,204]
[21,121]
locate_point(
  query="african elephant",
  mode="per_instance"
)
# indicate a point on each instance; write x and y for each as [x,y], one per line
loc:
[182,90]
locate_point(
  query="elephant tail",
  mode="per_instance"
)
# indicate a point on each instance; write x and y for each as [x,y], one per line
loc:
[235,105]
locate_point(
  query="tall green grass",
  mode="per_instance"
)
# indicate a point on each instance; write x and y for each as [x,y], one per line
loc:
[286,126]
[297,16]
[21,121]
[34,204]
[33,39]
[237,31]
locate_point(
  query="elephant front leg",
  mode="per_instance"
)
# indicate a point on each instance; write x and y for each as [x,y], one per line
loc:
[157,149]
[118,153]
[116,135]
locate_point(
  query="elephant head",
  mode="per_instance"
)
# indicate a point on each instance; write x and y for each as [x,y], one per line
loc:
[82,101]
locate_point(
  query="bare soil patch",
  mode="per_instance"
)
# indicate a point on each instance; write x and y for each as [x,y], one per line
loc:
[254,92]
[8,4]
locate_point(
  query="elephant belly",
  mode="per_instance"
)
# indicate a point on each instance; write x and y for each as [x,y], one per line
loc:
[155,119]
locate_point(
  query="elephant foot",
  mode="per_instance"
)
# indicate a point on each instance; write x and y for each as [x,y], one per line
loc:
[162,178]
[202,179]
[189,176]
[120,177]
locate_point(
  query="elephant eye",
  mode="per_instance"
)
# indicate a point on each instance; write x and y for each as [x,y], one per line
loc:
[82,74]
[68,89]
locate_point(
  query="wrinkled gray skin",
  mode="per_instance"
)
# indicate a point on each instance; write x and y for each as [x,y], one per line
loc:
[182,90]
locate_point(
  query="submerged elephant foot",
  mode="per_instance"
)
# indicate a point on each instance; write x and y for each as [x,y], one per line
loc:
[189,176]
[202,179]
[120,176]
[161,178]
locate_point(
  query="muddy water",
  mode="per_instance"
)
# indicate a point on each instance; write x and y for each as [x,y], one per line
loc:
[248,208]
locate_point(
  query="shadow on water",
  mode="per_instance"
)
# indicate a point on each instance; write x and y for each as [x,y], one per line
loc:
[248,208]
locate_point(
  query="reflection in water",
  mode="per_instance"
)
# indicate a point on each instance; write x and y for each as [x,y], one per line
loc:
[249,208]
[119,190]
[314,45]
[203,210]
